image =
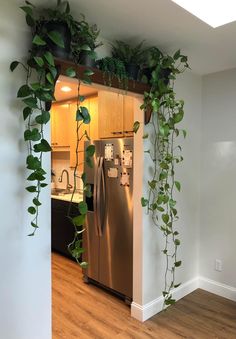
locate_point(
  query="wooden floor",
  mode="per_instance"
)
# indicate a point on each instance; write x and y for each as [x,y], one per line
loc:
[85,311]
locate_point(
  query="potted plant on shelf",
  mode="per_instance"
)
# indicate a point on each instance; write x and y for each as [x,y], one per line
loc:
[113,68]
[53,28]
[132,57]
[84,43]
[156,61]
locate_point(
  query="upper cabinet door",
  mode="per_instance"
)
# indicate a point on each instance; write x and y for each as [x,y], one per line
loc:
[60,125]
[128,116]
[110,110]
[93,110]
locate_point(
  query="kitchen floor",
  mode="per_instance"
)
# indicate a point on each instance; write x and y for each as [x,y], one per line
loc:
[85,311]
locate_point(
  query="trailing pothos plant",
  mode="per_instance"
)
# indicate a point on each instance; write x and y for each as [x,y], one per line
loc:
[36,93]
[166,114]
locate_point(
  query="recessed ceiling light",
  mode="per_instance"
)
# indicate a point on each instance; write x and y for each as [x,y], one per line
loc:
[66,89]
[214,13]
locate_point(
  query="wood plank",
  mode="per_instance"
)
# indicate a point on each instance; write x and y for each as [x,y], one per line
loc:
[86,311]
[98,76]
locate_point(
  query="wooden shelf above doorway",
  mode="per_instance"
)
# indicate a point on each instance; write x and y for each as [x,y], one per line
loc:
[98,78]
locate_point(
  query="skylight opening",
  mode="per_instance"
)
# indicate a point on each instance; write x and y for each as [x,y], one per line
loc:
[213,12]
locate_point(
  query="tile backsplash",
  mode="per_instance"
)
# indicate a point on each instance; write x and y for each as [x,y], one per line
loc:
[60,161]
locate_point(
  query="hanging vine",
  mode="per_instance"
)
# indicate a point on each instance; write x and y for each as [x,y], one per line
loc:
[167,113]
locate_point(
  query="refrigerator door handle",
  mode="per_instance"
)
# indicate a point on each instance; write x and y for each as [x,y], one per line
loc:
[100,195]
[95,195]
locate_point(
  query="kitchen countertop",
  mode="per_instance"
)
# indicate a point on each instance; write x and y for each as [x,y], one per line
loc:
[67,197]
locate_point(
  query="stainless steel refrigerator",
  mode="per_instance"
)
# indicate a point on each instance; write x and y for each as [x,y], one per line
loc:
[108,239]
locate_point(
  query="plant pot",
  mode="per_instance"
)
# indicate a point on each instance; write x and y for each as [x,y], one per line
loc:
[86,59]
[164,74]
[63,29]
[132,71]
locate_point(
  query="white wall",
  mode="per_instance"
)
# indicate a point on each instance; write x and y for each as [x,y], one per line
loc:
[188,87]
[218,177]
[25,293]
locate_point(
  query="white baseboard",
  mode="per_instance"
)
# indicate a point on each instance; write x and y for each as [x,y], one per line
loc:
[146,311]
[215,287]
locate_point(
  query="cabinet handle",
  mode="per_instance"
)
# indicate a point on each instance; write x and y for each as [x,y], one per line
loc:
[54,143]
[128,131]
[116,132]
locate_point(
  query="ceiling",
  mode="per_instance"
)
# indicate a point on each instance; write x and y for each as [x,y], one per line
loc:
[164,24]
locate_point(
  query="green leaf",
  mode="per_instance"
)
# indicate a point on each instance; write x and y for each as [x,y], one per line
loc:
[53,71]
[70,72]
[43,185]
[79,220]
[33,163]
[178,185]
[172,203]
[38,41]
[83,264]
[36,202]
[13,65]
[85,48]
[84,177]
[79,116]
[176,55]
[87,80]
[178,263]
[30,20]
[90,150]
[177,242]
[27,10]
[85,114]
[33,135]
[145,136]
[184,133]
[34,225]
[88,72]
[31,102]
[152,184]
[179,116]
[165,218]
[177,285]
[49,58]
[31,189]
[43,118]
[32,210]
[144,202]
[87,190]
[136,126]
[24,91]
[83,208]
[39,61]
[169,302]
[56,37]
[50,78]
[82,98]
[43,146]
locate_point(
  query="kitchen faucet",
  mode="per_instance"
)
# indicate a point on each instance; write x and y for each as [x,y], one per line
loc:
[68,185]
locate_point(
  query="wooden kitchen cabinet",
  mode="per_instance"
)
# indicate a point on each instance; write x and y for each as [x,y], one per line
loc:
[91,129]
[60,137]
[110,110]
[128,116]
[115,113]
